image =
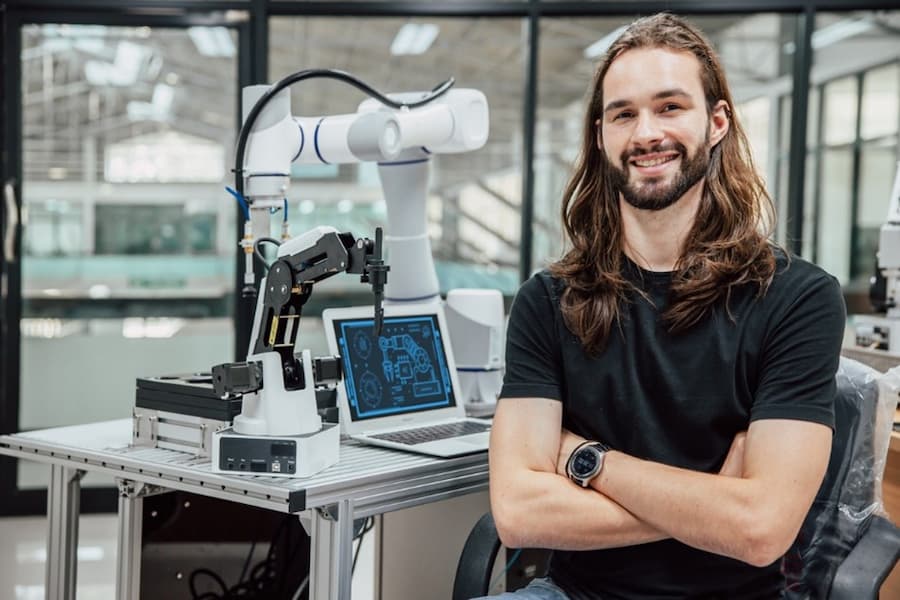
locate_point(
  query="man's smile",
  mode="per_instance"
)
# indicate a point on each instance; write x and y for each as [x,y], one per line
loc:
[654,163]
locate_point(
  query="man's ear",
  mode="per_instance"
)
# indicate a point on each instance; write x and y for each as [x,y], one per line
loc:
[719,122]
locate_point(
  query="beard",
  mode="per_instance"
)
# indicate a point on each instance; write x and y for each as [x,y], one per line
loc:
[655,193]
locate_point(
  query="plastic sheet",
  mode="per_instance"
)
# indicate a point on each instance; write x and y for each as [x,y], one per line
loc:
[851,492]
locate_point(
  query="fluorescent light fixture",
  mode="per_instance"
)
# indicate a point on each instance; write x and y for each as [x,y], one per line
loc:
[831,34]
[99,291]
[600,47]
[76,31]
[40,328]
[162,97]
[307,207]
[123,71]
[223,39]
[414,38]
[127,65]
[159,109]
[97,73]
[344,206]
[139,327]
[212,41]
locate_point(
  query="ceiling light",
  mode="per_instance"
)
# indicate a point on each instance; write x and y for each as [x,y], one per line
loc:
[212,41]
[224,42]
[600,47]
[127,65]
[139,327]
[414,38]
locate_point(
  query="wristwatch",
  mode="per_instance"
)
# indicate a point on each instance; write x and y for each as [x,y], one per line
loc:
[585,462]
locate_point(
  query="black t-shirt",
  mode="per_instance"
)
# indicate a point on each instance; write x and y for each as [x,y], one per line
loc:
[679,399]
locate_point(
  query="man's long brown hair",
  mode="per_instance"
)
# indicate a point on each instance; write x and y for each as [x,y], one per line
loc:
[728,244]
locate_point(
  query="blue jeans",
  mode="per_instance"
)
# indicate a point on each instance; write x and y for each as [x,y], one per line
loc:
[538,589]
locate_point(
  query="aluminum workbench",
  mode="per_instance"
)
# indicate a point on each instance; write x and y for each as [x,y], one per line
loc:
[366,481]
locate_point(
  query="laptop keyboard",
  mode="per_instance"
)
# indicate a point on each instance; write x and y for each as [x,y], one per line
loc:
[432,433]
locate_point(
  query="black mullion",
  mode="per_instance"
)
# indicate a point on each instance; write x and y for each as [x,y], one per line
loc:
[251,70]
[854,179]
[817,181]
[805,25]
[10,339]
[529,116]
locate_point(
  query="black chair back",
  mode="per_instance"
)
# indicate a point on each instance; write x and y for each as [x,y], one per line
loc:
[846,502]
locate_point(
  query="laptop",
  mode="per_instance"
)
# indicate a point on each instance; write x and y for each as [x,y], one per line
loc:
[400,389]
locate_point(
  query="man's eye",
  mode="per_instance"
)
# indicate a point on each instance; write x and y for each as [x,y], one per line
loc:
[623,115]
[670,107]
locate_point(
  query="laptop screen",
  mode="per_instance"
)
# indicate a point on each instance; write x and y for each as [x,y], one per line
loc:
[402,371]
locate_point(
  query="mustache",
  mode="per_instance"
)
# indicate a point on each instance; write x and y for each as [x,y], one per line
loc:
[670,147]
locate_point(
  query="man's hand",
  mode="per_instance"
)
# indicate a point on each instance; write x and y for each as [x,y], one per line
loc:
[568,441]
[734,462]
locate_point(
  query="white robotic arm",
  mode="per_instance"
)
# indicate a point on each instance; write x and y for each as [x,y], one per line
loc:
[455,122]
[400,140]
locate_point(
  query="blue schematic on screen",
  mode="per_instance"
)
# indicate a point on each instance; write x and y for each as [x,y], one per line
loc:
[403,370]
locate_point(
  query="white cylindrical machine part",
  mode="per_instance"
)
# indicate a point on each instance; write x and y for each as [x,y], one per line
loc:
[464,111]
[407,246]
[475,321]
[273,141]
[471,122]
[481,308]
[405,186]
[352,138]
[480,387]
[428,126]
[412,277]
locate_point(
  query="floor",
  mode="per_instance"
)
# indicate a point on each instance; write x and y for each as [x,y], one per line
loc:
[23,552]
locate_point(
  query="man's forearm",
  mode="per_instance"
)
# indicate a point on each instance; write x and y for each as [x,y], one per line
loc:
[545,510]
[711,512]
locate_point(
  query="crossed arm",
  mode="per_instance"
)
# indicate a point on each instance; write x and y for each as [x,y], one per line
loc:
[751,510]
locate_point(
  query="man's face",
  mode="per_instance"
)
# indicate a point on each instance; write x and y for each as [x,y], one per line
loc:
[655,128]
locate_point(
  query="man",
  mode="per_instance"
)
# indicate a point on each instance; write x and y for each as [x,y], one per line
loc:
[694,356]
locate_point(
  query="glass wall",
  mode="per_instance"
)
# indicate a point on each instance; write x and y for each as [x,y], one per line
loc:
[129,131]
[128,243]
[756,62]
[853,149]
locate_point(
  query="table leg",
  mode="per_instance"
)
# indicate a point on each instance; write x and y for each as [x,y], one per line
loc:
[63,507]
[128,562]
[331,542]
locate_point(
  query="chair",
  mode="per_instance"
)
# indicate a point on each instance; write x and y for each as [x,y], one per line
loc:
[844,550]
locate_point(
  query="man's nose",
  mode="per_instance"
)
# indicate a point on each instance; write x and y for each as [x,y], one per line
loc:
[647,131]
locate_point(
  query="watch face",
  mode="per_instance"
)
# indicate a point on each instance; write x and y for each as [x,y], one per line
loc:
[584,462]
